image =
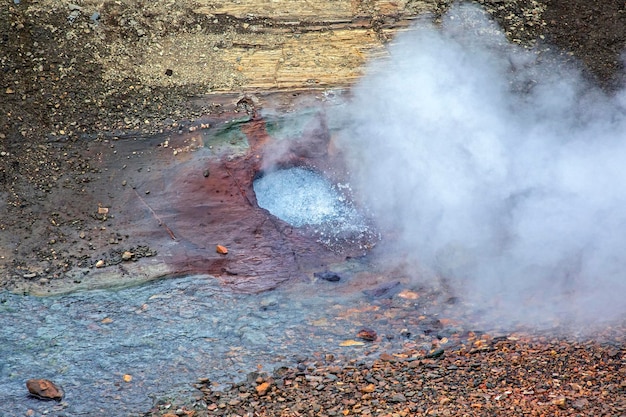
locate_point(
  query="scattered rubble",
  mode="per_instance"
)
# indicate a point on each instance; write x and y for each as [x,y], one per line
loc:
[513,374]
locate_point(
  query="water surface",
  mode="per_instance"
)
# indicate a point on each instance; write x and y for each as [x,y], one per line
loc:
[166,335]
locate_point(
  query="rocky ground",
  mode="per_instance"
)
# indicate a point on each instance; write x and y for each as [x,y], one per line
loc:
[77,76]
[471,375]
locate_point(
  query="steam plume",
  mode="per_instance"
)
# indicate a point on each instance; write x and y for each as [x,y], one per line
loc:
[497,168]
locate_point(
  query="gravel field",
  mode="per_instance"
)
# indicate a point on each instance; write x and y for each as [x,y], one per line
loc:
[482,376]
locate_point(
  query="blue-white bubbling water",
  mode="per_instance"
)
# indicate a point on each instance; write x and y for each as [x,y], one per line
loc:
[302,197]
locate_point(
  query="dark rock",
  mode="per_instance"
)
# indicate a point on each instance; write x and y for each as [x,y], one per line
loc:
[398,398]
[435,354]
[327,276]
[387,289]
[580,404]
[44,389]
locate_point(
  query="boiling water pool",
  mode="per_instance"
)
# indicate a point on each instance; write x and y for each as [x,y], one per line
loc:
[303,198]
[167,334]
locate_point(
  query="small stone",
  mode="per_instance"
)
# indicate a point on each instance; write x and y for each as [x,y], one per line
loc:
[124,183]
[580,403]
[100,264]
[435,354]
[9,90]
[169,72]
[327,276]
[206,173]
[44,389]
[81,235]
[367,334]
[351,342]
[127,256]
[398,398]
[103,210]
[368,388]
[268,302]
[263,388]
[408,295]
[30,275]
[386,289]
[221,249]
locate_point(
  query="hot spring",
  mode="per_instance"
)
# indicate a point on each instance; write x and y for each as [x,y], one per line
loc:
[304,198]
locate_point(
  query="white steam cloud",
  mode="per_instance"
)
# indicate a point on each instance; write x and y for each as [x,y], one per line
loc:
[498,169]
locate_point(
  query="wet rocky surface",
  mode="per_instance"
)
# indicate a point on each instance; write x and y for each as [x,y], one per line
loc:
[118,352]
[314,348]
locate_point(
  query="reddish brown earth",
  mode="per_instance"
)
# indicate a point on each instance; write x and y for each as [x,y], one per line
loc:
[168,201]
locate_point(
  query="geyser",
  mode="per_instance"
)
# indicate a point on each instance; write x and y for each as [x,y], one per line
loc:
[302,197]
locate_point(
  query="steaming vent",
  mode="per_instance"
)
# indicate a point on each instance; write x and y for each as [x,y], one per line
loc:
[304,198]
